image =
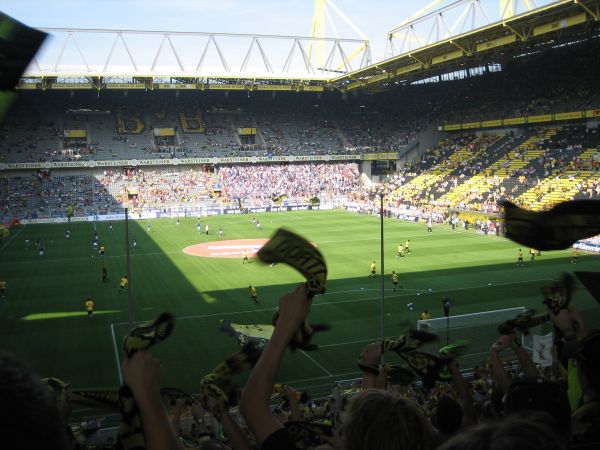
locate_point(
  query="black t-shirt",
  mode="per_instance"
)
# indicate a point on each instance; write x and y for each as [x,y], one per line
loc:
[279,440]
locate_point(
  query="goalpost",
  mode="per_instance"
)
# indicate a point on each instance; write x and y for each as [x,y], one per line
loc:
[480,329]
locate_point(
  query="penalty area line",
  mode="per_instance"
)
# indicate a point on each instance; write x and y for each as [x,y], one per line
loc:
[316,363]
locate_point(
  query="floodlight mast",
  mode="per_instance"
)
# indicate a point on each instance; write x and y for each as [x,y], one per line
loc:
[127,252]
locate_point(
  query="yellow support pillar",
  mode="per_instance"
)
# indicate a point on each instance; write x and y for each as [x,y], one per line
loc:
[318,32]
[507,9]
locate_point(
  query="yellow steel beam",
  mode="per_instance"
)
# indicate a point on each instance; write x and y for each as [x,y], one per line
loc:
[410,55]
[347,20]
[418,14]
[467,52]
[318,32]
[506,9]
[522,36]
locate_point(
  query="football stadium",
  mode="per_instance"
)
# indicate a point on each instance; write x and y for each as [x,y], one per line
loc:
[232,241]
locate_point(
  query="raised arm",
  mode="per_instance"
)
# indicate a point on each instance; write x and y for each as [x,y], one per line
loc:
[233,432]
[577,320]
[142,375]
[464,394]
[290,395]
[176,421]
[498,371]
[371,356]
[254,406]
[527,364]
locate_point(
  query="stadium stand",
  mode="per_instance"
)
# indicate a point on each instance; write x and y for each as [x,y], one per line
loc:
[506,402]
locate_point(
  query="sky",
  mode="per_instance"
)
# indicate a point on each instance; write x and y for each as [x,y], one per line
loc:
[284,17]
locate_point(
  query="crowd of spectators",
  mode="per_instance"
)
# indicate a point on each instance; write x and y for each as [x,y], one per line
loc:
[506,403]
[422,188]
[301,181]
[45,194]
[42,194]
[484,176]
[139,187]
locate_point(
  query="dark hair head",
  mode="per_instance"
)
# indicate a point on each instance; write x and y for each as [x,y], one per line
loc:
[28,416]
[448,415]
[378,420]
[539,394]
[531,432]
[213,444]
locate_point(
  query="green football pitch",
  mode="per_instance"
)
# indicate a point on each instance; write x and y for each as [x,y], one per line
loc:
[43,319]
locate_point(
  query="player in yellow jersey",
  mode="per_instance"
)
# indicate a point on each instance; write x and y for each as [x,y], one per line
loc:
[253,294]
[89,307]
[373,270]
[520,258]
[425,315]
[400,251]
[123,282]
[532,253]
[101,250]
[394,280]
[245,260]
[3,288]
[407,246]
[574,256]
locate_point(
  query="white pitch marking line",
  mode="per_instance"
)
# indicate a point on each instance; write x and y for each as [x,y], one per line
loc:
[335,375]
[317,304]
[114,340]
[316,363]
[325,303]
[347,343]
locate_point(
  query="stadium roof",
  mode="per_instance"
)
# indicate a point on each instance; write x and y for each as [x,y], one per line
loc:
[532,31]
[223,61]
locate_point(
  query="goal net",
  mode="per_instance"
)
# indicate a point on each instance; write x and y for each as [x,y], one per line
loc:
[479,329]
